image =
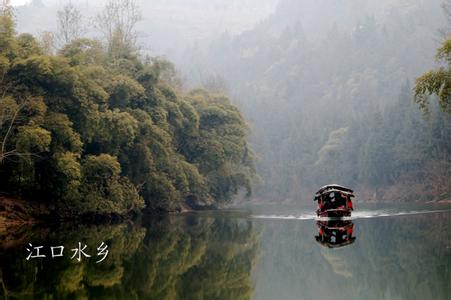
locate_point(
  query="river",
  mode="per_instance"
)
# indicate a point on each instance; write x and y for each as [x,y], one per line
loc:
[282,253]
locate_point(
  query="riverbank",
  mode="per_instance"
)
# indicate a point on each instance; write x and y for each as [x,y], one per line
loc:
[17,212]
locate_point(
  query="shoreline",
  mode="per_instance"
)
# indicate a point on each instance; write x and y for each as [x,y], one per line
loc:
[17,212]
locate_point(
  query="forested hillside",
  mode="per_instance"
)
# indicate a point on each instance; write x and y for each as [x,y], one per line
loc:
[96,128]
[331,99]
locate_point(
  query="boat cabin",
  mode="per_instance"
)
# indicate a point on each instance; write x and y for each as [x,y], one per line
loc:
[334,201]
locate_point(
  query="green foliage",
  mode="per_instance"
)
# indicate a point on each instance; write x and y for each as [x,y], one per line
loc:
[64,136]
[32,139]
[436,82]
[28,46]
[123,91]
[116,130]
[166,72]
[84,52]
[104,190]
[220,148]
[97,130]
[4,66]
[8,43]
[395,148]
[8,107]
[444,52]
[330,152]
[100,169]
[68,175]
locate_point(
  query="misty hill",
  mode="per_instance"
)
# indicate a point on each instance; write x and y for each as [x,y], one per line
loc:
[319,80]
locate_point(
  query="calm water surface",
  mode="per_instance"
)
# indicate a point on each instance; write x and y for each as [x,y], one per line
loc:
[391,253]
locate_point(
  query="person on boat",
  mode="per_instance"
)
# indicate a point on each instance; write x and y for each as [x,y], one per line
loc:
[348,199]
[350,205]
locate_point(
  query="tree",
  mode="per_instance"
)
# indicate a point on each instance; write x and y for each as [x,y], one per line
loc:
[70,24]
[102,131]
[104,190]
[6,7]
[22,119]
[7,31]
[436,82]
[446,5]
[117,22]
[47,42]
[9,112]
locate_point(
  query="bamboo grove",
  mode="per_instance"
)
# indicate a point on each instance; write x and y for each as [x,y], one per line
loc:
[100,129]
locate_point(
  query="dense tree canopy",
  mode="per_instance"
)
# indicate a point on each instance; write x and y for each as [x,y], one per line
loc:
[96,130]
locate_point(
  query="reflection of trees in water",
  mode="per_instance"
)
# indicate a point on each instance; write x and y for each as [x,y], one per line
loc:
[399,257]
[407,256]
[211,258]
[62,277]
[174,258]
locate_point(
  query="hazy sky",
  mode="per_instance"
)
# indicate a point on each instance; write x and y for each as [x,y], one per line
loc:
[19,2]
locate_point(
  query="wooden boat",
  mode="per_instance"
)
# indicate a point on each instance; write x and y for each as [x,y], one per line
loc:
[334,201]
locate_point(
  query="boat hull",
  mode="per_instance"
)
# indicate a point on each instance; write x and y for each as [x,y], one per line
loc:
[334,213]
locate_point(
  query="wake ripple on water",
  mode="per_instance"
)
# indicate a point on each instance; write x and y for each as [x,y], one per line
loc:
[365,214]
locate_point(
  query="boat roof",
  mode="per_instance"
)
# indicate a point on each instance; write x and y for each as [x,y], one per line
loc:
[334,186]
[332,190]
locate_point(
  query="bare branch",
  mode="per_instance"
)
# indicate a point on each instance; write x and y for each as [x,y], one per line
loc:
[13,153]
[70,24]
[446,6]
[6,8]
[11,123]
[119,17]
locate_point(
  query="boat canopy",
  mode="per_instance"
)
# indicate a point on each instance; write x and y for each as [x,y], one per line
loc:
[350,194]
[334,186]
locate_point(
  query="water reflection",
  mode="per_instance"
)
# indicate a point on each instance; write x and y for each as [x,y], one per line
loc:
[170,258]
[335,233]
[217,256]
[400,257]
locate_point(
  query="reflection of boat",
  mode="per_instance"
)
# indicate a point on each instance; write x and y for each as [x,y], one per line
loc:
[334,201]
[335,233]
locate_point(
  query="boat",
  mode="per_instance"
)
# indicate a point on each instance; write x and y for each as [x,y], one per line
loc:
[334,201]
[335,233]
